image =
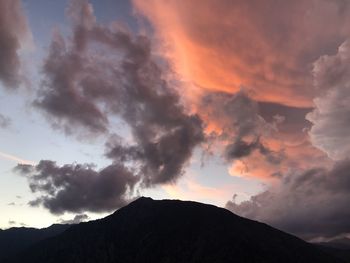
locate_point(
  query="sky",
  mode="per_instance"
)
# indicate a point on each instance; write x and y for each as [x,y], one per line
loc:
[241,104]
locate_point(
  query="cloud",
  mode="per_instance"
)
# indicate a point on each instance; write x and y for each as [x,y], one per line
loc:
[309,200]
[290,121]
[61,94]
[11,222]
[252,97]
[190,189]
[103,72]
[266,46]
[240,149]
[330,118]
[309,203]
[15,159]
[245,67]
[76,220]
[236,118]
[13,33]
[77,188]
[5,122]
[238,111]
[254,137]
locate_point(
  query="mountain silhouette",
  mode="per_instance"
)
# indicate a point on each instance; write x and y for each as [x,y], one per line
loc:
[338,247]
[339,243]
[169,231]
[16,239]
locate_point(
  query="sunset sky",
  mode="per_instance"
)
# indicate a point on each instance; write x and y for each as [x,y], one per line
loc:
[244,104]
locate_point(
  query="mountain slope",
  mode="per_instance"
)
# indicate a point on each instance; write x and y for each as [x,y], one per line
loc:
[16,239]
[173,231]
[340,243]
[338,247]
[343,254]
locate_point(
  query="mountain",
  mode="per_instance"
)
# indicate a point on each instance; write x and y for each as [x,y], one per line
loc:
[339,243]
[343,254]
[16,239]
[169,231]
[337,247]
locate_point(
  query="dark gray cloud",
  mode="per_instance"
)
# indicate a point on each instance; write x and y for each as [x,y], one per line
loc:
[105,72]
[239,111]
[236,114]
[76,220]
[312,203]
[77,188]
[13,30]
[291,120]
[240,149]
[61,94]
[5,122]
[330,118]
[242,125]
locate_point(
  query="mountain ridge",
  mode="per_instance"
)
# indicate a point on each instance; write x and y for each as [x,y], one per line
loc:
[169,231]
[16,239]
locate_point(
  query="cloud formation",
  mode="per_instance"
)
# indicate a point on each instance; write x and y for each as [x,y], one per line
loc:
[270,49]
[13,32]
[257,139]
[76,220]
[15,159]
[100,73]
[313,202]
[266,46]
[85,87]
[310,203]
[240,127]
[12,222]
[77,188]
[330,118]
[5,122]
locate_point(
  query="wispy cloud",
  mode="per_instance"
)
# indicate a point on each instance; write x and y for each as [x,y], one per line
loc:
[15,158]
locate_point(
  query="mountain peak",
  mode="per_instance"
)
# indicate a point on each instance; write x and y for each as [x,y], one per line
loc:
[143,199]
[172,231]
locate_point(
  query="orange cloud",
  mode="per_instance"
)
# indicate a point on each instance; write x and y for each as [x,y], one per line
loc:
[265,46]
[293,157]
[191,189]
[15,159]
